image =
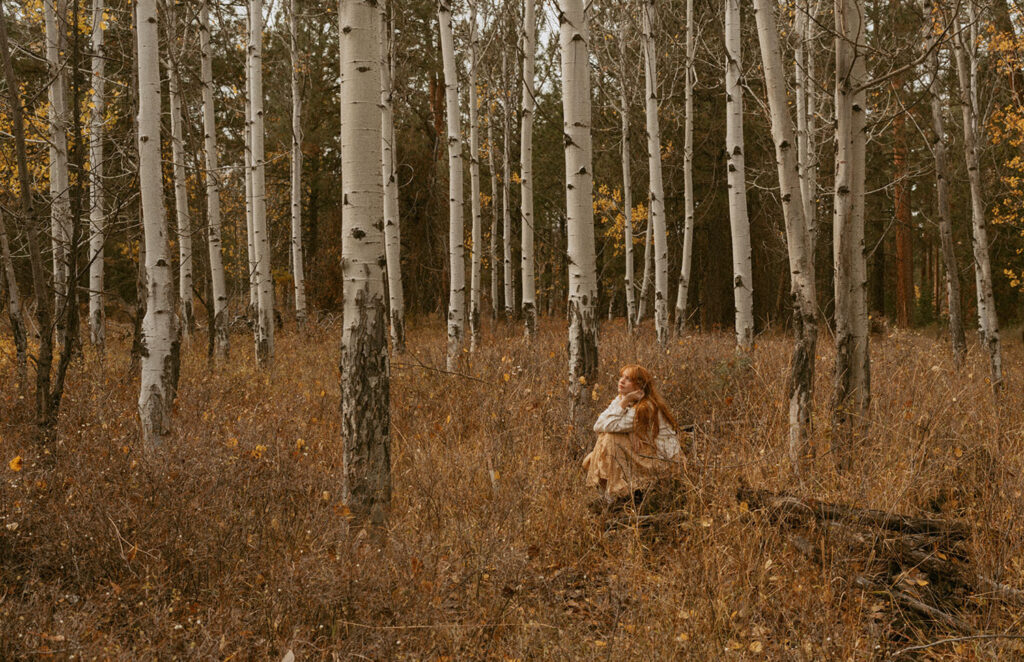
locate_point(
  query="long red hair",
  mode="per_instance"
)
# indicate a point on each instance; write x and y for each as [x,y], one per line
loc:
[647,421]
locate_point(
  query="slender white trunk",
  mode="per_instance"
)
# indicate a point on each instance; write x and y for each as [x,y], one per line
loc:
[798,240]
[159,337]
[474,184]
[657,189]
[260,230]
[682,294]
[250,246]
[182,214]
[939,147]
[806,21]
[365,372]
[574,38]
[55,16]
[392,227]
[457,289]
[526,172]
[97,201]
[738,221]
[627,192]
[645,282]
[495,279]
[852,380]
[988,323]
[506,188]
[298,271]
[217,281]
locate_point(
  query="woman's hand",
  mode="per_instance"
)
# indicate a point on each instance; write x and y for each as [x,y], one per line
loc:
[631,398]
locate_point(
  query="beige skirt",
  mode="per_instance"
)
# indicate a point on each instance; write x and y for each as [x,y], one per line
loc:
[620,464]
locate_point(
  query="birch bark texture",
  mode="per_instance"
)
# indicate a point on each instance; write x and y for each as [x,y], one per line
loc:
[506,188]
[967,66]
[97,199]
[738,221]
[298,268]
[218,286]
[851,391]
[627,177]
[159,332]
[495,271]
[365,371]
[930,36]
[656,208]
[474,184]
[574,40]
[806,26]
[392,227]
[260,230]
[689,76]
[798,237]
[55,18]
[529,45]
[457,283]
[181,210]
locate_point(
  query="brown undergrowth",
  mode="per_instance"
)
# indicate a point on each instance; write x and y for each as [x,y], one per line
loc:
[234,544]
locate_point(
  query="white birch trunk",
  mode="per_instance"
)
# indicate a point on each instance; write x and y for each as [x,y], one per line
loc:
[474,184]
[657,189]
[365,372]
[495,279]
[682,294]
[574,38]
[506,188]
[217,280]
[97,201]
[939,148]
[260,230]
[798,239]
[988,323]
[529,301]
[250,245]
[627,191]
[645,281]
[182,214]
[852,384]
[298,270]
[55,16]
[738,220]
[159,337]
[392,227]
[457,288]
[806,21]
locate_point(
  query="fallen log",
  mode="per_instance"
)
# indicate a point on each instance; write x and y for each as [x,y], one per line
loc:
[787,505]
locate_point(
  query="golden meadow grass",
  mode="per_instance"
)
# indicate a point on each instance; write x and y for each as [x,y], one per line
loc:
[236,546]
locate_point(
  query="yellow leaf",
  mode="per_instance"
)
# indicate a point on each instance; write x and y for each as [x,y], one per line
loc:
[683,637]
[958,452]
[300,443]
[600,644]
[231,442]
[755,647]
[506,376]
[15,464]
[922,582]
[448,420]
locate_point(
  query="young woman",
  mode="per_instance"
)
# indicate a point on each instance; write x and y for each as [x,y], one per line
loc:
[636,438]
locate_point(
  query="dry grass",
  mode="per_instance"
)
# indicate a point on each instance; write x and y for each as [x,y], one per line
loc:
[235,545]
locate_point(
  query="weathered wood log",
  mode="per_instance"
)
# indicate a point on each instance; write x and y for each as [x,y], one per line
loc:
[788,505]
[910,602]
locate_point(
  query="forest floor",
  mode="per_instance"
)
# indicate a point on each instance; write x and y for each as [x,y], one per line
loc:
[234,544]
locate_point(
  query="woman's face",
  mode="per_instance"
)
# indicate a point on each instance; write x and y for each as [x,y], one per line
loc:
[627,385]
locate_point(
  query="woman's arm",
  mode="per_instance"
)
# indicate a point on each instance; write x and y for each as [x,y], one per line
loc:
[615,418]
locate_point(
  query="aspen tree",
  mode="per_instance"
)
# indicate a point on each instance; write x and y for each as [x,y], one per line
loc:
[474,184]
[657,190]
[529,301]
[159,332]
[806,24]
[55,17]
[495,271]
[967,74]
[365,371]
[851,392]
[574,38]
[97,199]
[645,281]
[736,176]
[247,162]
[260,229]
[457,285]
[683,292]
[217,282]
[298,271]
[506,188]
[627,192]
[939,147]
[182,214]
[798,237]
[392,227]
